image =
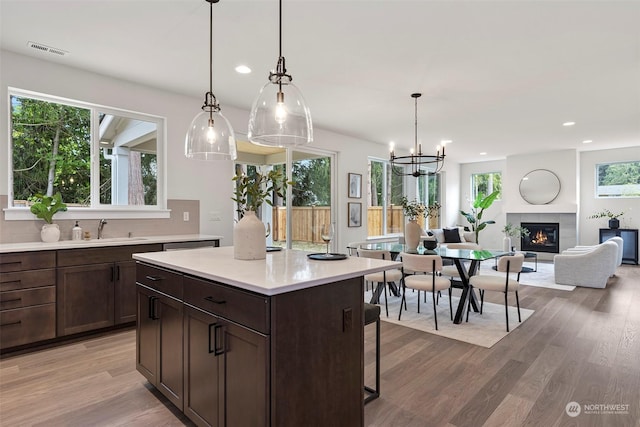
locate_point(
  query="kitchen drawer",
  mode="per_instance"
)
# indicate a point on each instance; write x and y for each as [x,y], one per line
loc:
[165,281]
[18,261]
[84,256]
[233,304]
[27,297]
[27,325]
[27,279]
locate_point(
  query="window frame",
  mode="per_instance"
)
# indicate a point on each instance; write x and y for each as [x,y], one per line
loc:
[387,172]
[95,210]
[474,186]
[596,180]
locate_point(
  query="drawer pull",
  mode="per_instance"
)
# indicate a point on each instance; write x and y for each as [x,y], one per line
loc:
[215,301]
[10,263]
[154,278]
[12,323]
[11,300]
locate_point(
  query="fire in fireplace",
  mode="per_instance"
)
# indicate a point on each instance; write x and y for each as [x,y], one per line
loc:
[543,237]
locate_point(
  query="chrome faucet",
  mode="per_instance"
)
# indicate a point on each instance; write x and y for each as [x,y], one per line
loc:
[100,227]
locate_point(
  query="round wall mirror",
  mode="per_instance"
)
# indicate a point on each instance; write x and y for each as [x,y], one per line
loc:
[539,187]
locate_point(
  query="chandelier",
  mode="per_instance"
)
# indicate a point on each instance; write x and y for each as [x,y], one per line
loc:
[416,159]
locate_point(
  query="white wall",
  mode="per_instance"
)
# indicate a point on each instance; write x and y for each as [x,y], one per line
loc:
[589,204]
[490,237]
[209,182]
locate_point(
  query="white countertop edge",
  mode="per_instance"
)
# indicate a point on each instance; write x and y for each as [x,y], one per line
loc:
[117,241]
[373,266]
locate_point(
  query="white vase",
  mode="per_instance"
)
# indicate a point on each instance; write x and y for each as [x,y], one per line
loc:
[506,244]
[50,233]
[412,233]
[249,241]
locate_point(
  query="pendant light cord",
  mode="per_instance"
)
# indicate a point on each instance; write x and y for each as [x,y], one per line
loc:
[211,47]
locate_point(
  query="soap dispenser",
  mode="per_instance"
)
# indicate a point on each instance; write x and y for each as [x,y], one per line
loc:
[76,232]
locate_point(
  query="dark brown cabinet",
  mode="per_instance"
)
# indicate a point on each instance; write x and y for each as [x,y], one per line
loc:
[253,360]
[96,287]
[160,331]
[27,298]
[225,370]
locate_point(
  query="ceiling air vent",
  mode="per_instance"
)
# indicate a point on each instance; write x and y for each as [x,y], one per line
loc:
[48,49]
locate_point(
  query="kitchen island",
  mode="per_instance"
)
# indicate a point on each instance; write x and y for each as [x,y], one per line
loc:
[273,342]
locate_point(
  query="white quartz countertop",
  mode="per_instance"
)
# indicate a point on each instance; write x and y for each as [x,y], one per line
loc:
[114,241]
[282,271]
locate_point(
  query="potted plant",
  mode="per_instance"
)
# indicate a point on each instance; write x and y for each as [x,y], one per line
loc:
[510,231]
[45,207]
[250,193]
[614,222]
[474,216]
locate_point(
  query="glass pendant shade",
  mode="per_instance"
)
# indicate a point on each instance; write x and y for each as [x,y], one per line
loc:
[206,142]
[279,116]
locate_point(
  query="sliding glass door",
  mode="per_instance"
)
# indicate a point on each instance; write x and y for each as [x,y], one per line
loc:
[296,220]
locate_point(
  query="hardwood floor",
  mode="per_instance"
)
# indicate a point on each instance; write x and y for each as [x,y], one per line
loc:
[581,346]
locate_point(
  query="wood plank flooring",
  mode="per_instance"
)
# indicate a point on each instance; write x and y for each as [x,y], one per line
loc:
[581,346]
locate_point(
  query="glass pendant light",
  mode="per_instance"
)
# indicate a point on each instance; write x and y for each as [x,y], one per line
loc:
[210,136]
[279,116]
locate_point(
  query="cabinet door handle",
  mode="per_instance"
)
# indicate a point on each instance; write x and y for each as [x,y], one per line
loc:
[153,278]
[117,272]
[152,307]
[215,301]
[12,323]
[212,340]
[10,263]
[218,340]
[113,273]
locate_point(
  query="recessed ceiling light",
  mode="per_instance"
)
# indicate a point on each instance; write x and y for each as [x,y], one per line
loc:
[587,141]
[484,153]
[446,141]
[568,123]
[243,69]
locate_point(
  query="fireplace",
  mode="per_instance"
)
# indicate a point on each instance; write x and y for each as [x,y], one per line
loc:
[543,237]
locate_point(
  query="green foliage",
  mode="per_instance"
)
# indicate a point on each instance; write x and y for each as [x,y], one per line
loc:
[45,207]
[312,182]
[252,191]
[35,127]
[619,173]
[606,213]
[510,230]
[486,182]
[474,216]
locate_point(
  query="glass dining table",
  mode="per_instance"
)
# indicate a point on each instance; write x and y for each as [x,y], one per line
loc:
[459,257]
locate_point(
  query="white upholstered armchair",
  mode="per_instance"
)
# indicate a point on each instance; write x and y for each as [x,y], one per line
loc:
[589,268]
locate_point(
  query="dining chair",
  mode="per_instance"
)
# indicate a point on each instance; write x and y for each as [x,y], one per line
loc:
[510,265]
[382,278]
[428,280]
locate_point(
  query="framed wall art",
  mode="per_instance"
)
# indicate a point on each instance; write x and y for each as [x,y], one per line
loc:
[355,214]
[355,185]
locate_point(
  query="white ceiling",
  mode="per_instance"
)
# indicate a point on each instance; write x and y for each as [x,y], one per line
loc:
[496,76]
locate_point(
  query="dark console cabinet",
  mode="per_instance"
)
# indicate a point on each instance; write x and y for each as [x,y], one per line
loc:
[630,245]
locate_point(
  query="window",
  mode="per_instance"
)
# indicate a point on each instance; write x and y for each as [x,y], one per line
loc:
[384,193]
[486,183]
[618,179]
[428,192]
[54,140]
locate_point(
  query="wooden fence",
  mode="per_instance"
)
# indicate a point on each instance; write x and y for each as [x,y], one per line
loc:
[308,220]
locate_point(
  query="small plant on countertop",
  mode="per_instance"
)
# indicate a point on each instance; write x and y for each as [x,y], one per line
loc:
[45,207]
[252,191]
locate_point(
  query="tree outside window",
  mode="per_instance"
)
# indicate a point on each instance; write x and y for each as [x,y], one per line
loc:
[617,180]
[486,183]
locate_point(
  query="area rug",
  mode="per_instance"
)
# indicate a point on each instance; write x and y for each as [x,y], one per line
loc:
[482,330]
[543,278]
